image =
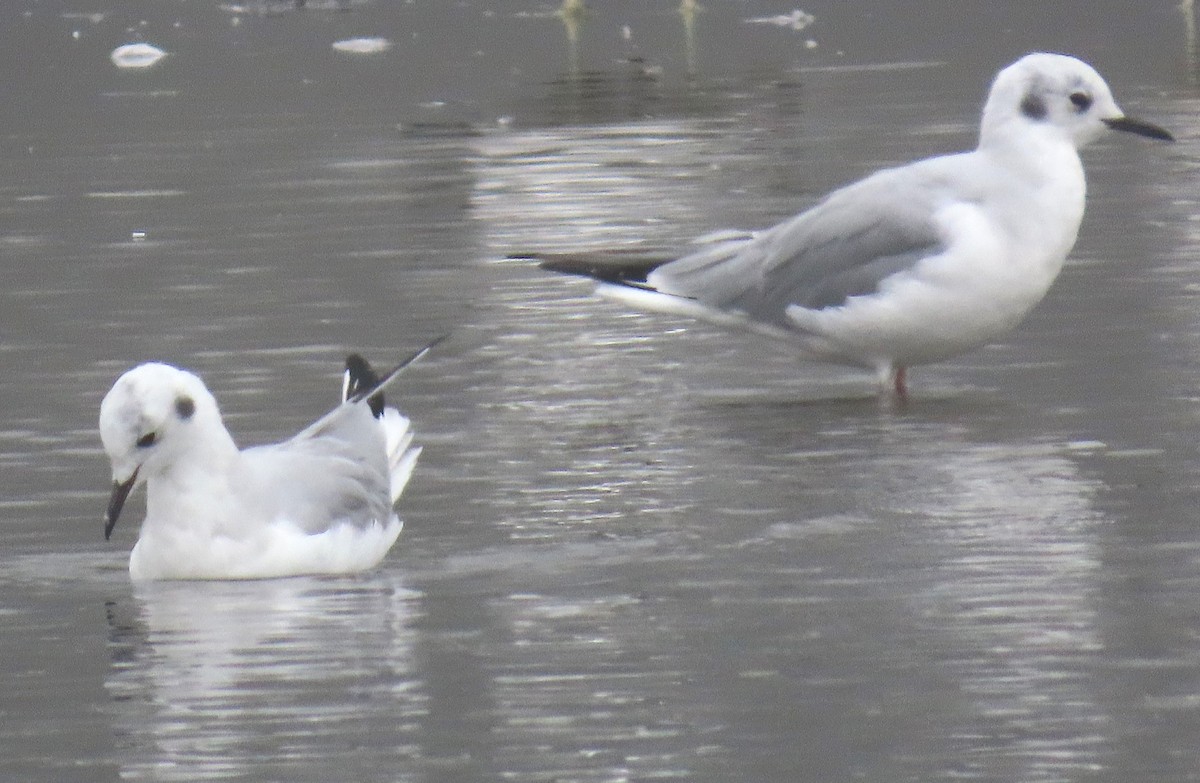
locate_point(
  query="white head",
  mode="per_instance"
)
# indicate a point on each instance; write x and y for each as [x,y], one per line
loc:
[154,416]
[1056,93]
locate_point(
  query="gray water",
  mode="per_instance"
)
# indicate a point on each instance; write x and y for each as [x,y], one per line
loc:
[635,548]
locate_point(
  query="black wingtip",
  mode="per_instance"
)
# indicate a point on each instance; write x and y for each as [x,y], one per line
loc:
[361,379]
[620,268]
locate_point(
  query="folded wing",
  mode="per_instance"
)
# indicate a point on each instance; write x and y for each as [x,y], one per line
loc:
[845,246]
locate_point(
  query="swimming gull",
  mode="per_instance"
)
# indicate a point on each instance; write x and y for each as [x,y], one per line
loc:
[320,502]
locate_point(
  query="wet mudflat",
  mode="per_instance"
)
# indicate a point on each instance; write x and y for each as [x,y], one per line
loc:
[636,548]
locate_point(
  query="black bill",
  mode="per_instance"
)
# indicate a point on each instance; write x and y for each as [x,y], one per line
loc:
[116,501]
[1140,127]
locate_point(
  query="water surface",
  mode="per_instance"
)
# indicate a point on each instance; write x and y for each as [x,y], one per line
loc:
[635,548]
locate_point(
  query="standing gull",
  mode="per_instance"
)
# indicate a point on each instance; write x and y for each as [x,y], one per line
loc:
[318,503]
[913,264]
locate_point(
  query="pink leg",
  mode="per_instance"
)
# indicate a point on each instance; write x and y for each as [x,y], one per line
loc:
[900,383]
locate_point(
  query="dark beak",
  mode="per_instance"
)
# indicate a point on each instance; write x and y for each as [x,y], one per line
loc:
[1140,127]
[116,501]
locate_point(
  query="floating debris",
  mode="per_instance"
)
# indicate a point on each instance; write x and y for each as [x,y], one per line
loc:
[796,20]
[87,17]
[139,55]
[363,45]
[278,7]
[140,94]
[147,193]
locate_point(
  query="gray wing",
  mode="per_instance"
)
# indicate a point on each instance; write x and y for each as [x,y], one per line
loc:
[845,246]
[337,473]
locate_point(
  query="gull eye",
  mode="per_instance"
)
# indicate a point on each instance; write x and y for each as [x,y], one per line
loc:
[147,440]
[1082,101]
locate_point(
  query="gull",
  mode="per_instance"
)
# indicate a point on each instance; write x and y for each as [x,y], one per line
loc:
[913,264]
[318,503]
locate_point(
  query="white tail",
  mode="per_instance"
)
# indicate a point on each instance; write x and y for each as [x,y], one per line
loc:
[402,455]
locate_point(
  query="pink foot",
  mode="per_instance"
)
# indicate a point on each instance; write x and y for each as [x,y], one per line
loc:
[901,384]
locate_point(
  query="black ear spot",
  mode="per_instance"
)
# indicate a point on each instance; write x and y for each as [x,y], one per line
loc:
[1033,107]
[1082,101]
[185,407]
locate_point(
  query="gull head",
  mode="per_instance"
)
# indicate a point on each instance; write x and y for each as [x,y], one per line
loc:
[1057,94]
[154,416]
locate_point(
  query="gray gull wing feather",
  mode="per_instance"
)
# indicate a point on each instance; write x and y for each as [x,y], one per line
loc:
[845,246]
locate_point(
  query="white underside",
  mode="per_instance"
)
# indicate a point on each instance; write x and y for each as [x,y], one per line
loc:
[947,305]
[274,550]
[655,302]
[1004,220]
[197,542]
